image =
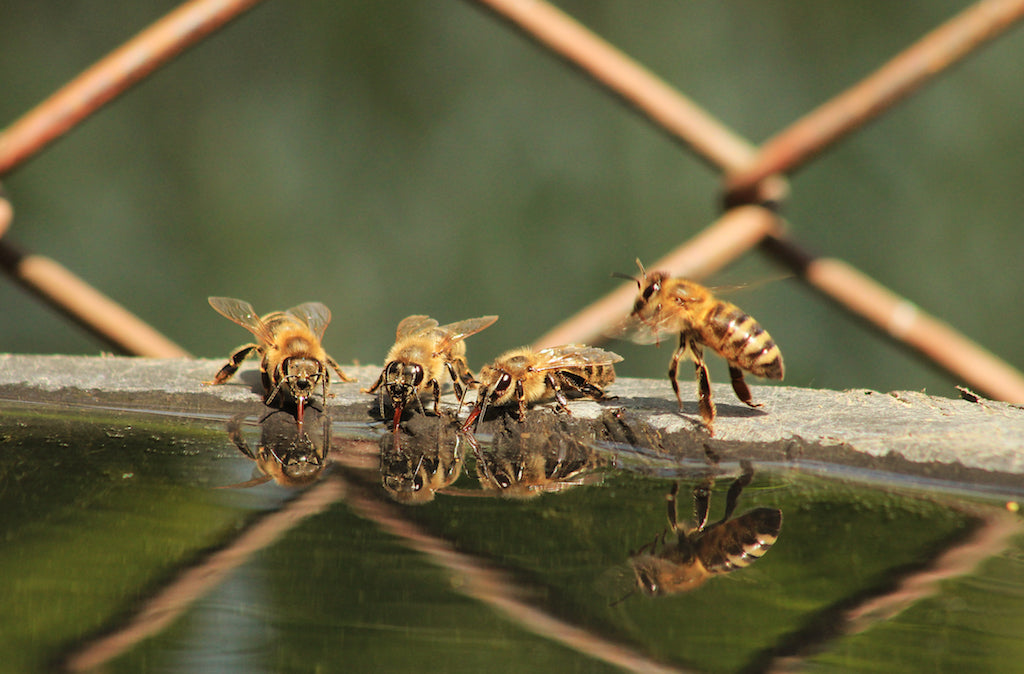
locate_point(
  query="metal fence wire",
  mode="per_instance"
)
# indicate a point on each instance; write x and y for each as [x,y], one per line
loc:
[753,178]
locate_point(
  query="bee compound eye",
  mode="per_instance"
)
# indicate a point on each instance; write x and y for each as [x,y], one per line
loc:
[504,381]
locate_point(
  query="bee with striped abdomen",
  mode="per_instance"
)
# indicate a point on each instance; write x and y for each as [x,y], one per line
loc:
[423,352]
[294,362]
[705,551]
[523,376]
[673,305]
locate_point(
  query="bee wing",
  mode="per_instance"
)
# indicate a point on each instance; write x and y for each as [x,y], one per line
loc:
[573,355]
[314,314]
[642,332]
[242,313]
[414,325]
[455,332]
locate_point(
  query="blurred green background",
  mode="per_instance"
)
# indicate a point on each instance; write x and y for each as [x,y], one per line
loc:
[421,157]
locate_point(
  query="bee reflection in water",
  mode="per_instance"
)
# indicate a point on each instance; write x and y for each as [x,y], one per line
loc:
[524,464]
[703,551]
[421,458]
[286,455]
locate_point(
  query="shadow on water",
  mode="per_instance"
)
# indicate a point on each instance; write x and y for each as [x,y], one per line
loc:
[138,542]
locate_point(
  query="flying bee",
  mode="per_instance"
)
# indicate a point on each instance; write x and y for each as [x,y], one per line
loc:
[705,550]
[289,457]
[674,305]
[422,353]
[294,362]
[523,376]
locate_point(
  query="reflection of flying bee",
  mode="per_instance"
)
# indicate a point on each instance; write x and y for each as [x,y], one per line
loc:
[705,551]
[523,376]
[420,460]
[524,465]
[294,362]
[289,457]
[422,352]
[673,305]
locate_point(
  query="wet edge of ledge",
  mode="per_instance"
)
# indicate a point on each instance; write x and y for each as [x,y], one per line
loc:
[971,441]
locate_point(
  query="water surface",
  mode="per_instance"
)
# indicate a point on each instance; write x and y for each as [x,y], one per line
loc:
[123,548]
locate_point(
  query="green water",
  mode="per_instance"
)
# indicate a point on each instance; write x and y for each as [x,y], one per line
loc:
[117,540]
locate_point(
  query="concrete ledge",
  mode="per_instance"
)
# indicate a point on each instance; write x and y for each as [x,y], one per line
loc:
[885,429]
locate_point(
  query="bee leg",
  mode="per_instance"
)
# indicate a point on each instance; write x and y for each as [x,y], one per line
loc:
[234,362]
[461,378]
[702,501]
[376,384]
[740,386]
[560,399]
[459,372]
[736,488]
[583,386]
[436,388]
[235,435]
[704,404]
[337,368]
[521,398]
[673,367]
[673,506]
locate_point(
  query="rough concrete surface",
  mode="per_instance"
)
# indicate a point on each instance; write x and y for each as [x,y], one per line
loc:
[893,430]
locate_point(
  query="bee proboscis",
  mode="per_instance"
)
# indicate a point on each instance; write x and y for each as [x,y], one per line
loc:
[523,376]
[703,551]
[294,362]
[423,352]
[679,306]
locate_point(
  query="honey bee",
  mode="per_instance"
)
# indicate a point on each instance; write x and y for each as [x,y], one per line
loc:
[705,550]
[674,305]
[289,457]
[422,353]
[525,465]
[418,462]
[525,376]
[294,362]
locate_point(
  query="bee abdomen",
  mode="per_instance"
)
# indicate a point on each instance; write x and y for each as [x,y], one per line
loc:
[740,542]
[741,339]
[597,375]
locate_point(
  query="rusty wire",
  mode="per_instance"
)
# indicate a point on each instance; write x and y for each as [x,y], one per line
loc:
[112,75]
[822,128]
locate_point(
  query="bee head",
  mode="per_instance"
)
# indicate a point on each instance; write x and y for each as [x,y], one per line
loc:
[401,380]
[649,285]
[301,375]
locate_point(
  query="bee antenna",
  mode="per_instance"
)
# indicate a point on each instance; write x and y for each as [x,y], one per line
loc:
[619,274]
[643,272]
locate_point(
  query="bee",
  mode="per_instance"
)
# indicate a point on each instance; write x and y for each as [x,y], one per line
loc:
[289,457]
[294,363]
[417,463]
[674,305]
[422,353]
[525,465]
[704,551]
[523,376]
